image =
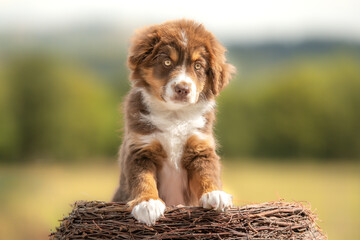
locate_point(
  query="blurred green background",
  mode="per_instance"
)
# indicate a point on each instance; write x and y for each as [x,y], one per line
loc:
[288,124]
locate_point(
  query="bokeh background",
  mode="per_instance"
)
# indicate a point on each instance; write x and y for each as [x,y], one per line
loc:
[288,123]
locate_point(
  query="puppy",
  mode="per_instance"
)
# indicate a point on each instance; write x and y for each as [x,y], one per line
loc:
[168,152]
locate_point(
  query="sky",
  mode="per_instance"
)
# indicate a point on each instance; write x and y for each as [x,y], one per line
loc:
[254,20]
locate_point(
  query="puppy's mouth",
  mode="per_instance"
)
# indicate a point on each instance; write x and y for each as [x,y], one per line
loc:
[181,100]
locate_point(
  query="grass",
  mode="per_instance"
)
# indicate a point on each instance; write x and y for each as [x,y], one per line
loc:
[34,197]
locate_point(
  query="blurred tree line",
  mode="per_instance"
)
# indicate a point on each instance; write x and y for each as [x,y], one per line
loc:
[309,108]
[62,110]
[57,110]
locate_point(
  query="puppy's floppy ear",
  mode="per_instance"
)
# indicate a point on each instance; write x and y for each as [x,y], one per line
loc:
[220,71]
[142,46]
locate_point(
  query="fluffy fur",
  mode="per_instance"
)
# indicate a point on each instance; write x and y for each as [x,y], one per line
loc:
[168,152]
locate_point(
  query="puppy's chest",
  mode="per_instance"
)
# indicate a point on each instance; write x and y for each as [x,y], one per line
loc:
[174,133]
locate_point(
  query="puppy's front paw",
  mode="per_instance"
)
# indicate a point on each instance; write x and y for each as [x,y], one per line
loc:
[217,200]
[149,211]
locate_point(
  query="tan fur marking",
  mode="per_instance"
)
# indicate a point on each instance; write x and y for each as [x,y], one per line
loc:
[138,182]
[196,54]
[203,166]
[174,55]
[155,84]
[145,190]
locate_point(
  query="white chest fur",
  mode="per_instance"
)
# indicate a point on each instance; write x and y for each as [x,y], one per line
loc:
[175,127]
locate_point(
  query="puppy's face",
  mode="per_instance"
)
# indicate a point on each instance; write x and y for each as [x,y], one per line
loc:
[178,73]
[179,63]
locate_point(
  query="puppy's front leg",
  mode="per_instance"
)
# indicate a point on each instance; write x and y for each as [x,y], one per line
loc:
[142,165]
[203,166]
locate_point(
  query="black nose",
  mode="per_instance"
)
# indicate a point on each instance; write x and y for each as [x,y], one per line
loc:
[182,89]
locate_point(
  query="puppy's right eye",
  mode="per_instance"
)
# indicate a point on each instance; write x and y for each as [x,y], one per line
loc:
[197,66]
[167,62]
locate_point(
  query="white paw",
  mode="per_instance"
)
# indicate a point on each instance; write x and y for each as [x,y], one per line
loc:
[149,211]
[217,200]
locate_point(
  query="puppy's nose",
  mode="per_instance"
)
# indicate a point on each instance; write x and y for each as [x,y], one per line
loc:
[182,89]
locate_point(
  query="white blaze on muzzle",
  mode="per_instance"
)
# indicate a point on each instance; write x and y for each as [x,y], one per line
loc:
[181,79]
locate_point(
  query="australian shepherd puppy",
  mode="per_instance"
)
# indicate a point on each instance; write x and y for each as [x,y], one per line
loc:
[168,152]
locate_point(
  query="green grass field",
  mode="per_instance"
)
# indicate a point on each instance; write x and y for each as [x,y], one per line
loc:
[34,197]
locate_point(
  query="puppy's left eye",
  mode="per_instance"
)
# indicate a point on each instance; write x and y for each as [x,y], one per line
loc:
[197,66]
[167,62]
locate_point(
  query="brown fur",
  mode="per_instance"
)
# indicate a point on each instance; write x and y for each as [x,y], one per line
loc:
[141,163]
[203,167]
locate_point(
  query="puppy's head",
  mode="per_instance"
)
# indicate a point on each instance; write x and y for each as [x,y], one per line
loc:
[179,62]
